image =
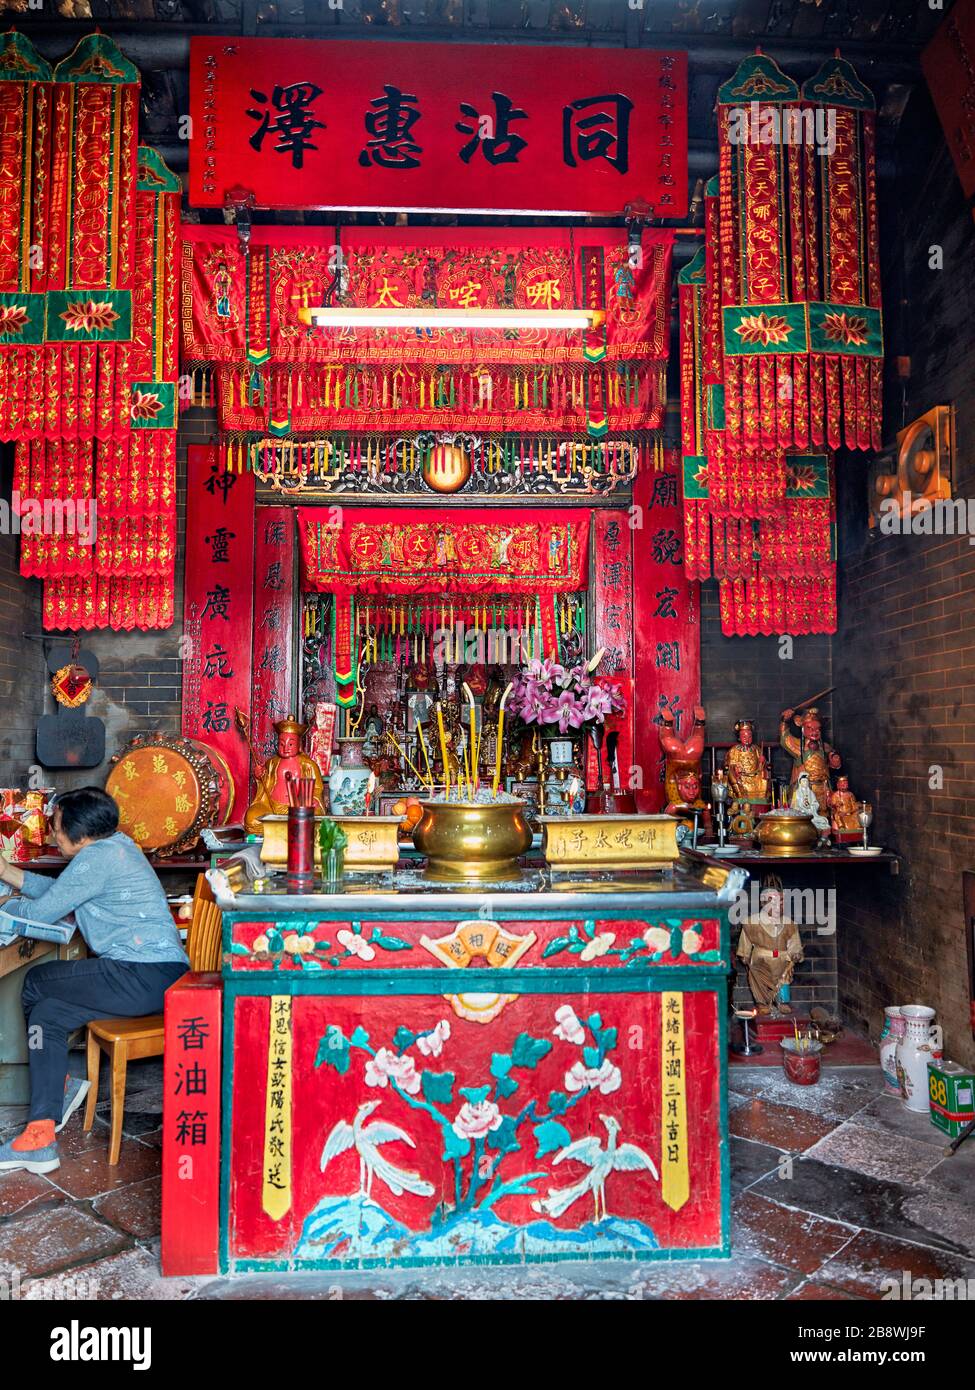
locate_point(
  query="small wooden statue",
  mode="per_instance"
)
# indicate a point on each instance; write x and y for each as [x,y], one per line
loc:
[747,768]
[683,755]
[271,796]
[770,948]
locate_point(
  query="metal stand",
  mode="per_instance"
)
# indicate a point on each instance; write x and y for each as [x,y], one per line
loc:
[746,1048]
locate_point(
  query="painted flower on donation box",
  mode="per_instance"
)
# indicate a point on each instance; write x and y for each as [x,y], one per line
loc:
[431,1044]
[386,1067]
[567,1025]
[657,938]
[355,945]
[598,946]
[605,1078]
[474,1121]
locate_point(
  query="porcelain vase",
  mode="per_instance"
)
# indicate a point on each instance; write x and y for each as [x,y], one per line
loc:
[914,1051]
[894,1028]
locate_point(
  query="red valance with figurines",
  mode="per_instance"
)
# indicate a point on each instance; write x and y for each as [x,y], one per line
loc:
[241,314]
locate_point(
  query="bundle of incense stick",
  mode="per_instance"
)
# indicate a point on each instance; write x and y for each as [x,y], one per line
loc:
[301,790]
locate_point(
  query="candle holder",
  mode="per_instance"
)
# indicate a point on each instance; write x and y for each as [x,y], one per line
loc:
[865,817]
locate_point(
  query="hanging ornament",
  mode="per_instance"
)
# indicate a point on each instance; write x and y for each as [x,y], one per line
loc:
[446,468]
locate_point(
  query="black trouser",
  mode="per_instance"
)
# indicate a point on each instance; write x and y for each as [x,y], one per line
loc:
[60,997]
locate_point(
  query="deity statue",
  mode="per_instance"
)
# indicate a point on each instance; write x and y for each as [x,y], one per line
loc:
[805,801]
[373,731]
[689,799]
[747,768]
[421,696]
[683,755]
[770,948]
[271,797]
[809,753]
[843,807]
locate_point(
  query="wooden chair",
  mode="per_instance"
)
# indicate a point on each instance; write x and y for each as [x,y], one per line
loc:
[128,1039]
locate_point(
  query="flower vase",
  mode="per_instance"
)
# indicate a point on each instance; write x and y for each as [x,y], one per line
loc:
[914,1051]
[894,1029]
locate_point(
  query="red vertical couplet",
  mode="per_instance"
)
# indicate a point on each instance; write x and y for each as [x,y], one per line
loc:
[191,1126]
[613,590]
[218,608]
[666,622]
[272,657]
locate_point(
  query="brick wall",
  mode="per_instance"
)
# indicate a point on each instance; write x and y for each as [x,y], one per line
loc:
[22,665]
[904,657]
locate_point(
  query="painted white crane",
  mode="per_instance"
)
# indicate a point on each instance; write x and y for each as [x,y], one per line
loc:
[615,1158]
[366,1139]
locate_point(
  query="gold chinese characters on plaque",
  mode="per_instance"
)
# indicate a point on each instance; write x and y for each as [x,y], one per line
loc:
[609,842]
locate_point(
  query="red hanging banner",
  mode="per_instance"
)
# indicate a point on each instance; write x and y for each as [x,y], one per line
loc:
[218,607]
[613,619]
[273,647]
[447,127]
[666,622]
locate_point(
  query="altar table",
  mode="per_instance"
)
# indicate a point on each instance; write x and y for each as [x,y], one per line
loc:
[415,1075]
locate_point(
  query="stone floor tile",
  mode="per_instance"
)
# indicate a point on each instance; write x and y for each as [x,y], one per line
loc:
[784,1236]
[957,1173]
[85,1170]
[751,1161]
[810,1291]
[131,1274]
[839,1093]
[876,1152]
[135,1209]
[19,1189]
[783,1126]
[854,1198]
[866,1267]
[946,1214]
[50,1239]
[891,1115]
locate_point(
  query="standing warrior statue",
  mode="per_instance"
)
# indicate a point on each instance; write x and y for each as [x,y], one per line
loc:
[809,753]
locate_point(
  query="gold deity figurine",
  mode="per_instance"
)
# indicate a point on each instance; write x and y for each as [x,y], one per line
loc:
[809,752]
[271,797]
[843,808]
[747,768]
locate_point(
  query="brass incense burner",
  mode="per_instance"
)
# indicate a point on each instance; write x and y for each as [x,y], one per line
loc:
[787,832]
[472,840]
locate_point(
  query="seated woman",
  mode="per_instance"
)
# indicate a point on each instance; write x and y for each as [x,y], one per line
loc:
[121,911]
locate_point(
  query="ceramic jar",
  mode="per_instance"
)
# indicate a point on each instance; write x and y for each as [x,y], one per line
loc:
[914,1051]
[894,1029]
[348,783]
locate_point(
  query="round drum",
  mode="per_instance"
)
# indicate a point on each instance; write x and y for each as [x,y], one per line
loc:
[168,789]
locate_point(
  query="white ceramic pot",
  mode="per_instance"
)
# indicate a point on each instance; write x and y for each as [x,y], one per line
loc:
[914,1051]
[894,1029]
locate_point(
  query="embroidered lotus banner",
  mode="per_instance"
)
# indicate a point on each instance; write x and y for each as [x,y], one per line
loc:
[452,127]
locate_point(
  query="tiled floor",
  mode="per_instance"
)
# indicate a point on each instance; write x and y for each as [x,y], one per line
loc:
[835,1188]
